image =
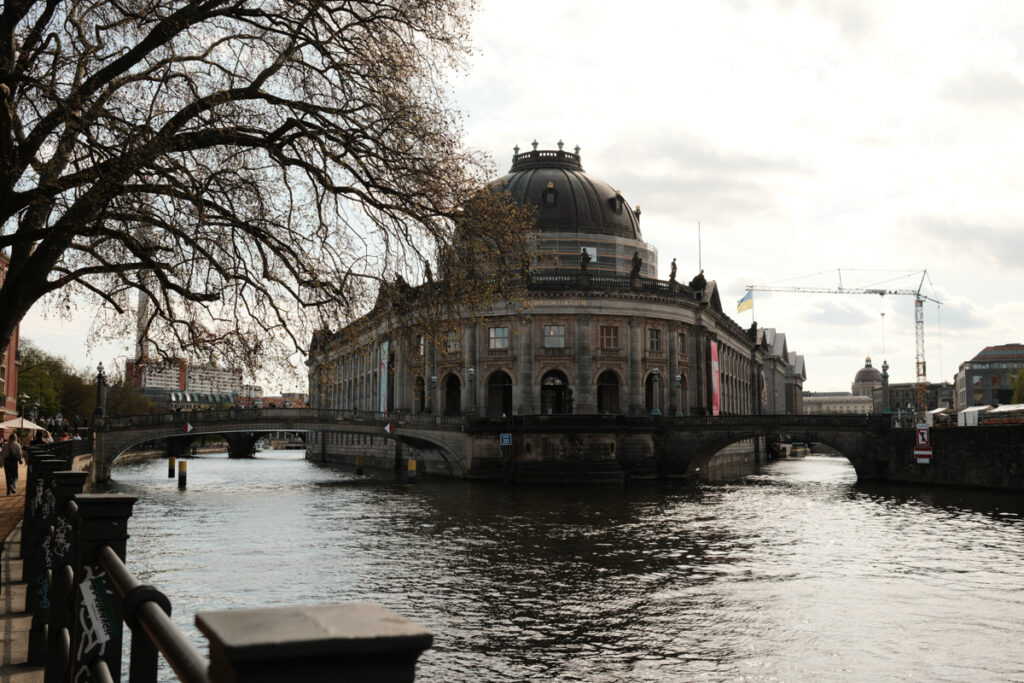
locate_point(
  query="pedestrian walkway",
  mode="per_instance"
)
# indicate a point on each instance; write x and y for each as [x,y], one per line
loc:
[14,621]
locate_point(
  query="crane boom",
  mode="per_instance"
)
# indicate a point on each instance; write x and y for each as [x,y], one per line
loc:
[919,299]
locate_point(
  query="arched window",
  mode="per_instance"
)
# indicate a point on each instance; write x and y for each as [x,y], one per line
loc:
[452,395]
[555,394]
[649,385]
[608,393]
[499,394]
[550,195]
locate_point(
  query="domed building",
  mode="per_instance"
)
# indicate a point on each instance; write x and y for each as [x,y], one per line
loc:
[598,334]
[867,379]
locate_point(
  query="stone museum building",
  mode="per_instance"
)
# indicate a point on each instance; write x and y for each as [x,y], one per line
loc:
[599,333]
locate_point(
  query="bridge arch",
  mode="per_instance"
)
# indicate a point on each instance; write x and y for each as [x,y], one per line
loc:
[436,434]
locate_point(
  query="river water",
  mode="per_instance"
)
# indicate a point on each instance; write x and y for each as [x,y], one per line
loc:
[796,573]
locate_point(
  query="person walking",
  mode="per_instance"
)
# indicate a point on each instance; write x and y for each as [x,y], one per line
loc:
[12,459]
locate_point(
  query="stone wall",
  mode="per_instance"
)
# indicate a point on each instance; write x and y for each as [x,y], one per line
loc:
[989,457]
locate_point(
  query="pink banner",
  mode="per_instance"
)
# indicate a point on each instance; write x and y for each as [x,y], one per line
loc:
[716,392]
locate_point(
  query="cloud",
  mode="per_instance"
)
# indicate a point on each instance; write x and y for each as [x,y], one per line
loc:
[989,245]
[978,87]
[837,312]
[682,174]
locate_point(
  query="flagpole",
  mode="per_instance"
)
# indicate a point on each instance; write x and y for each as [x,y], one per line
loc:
[700,261]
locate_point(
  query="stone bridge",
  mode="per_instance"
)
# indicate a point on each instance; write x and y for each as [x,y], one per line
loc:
[580,448]
[664,446]
[243,427]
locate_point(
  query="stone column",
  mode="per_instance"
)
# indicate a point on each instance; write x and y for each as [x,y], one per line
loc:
[525,394]
[403,388]
[655,393]
[471,359]
[634,362]
[430,380]
[584,393]
[701,358]
[675,401]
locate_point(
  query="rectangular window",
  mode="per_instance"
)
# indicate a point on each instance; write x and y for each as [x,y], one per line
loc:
[682,343]
[995,380]
[653,339]
[452,342]
[554,336]
[976,380]
[609,337]
[497,338]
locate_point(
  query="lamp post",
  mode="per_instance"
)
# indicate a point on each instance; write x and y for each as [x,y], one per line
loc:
[430,394]
[101,392]
[35,411]
[471,373]
[655,410]
[22,400]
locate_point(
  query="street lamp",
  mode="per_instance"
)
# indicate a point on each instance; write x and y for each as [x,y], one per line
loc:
[22,400]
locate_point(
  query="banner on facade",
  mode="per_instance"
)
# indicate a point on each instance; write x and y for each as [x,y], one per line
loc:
[383,375]
[764,394]
[716,395]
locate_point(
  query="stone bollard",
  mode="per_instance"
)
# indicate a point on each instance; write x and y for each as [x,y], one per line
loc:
[63,549]
[97,618]
[358,643]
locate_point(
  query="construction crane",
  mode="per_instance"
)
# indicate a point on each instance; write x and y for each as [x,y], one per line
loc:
[919,299]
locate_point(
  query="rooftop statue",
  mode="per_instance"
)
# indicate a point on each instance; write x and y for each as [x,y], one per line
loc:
[637,262]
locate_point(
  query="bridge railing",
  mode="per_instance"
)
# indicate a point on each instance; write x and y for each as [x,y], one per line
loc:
[281,415]
[81,594]
[764,422]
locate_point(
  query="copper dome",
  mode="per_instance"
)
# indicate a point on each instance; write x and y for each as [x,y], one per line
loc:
[567,199]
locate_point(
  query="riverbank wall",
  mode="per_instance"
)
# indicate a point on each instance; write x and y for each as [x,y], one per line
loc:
[976,457]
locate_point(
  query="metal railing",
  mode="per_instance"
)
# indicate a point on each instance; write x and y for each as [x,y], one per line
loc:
[81,594]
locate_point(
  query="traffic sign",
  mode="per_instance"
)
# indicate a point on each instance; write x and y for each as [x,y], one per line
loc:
[387,428]
[923,447]
[506,439]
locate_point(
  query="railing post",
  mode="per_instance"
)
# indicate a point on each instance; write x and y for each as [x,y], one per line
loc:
[37,590]
[62,553]
[37,518]
[358,643]
[31,491]
[97,618]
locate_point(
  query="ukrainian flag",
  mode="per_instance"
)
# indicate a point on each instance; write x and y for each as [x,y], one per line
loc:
[746,303]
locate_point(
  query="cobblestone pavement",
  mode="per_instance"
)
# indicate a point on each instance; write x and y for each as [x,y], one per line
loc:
[14,621]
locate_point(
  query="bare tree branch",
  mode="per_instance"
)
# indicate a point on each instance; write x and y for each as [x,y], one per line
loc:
[252,169]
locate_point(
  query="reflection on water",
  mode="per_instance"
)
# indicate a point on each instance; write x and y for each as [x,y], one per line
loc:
[795,573]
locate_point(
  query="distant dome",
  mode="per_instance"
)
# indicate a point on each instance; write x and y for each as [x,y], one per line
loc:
[868,373]
[867,378]
[567,199]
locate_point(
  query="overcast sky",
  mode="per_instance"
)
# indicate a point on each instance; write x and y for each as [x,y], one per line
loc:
[804,136]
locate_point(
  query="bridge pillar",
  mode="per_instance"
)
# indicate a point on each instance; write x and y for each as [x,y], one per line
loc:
[241,445]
